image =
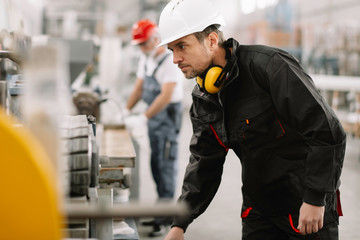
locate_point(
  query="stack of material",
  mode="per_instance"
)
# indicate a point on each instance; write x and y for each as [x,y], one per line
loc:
[116,147]
[75,139]
[80,152]
[117,157]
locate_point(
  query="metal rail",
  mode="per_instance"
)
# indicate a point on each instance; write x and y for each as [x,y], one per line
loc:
[11,56]
[135,210]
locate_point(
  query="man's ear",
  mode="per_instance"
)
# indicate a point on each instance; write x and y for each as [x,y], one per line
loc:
[213,39]
[156,39]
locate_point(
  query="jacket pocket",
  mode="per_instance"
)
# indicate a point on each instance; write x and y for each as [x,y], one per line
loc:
[279,197]
[261,127]
[198,125]
[293,223]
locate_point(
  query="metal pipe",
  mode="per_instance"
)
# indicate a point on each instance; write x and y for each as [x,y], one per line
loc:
[77,210]
[11,56]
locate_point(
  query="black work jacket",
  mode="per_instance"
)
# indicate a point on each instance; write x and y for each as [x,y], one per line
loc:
[269,112]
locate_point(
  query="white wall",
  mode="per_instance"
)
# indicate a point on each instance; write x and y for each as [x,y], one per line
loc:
[333,11]
[25,16]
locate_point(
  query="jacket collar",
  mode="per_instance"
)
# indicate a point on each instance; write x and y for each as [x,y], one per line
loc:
[233,68]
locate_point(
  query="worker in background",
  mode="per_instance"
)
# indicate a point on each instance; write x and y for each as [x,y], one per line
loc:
[159,84]
[259,102]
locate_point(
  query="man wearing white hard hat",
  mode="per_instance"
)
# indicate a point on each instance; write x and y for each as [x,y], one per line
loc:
[258,102]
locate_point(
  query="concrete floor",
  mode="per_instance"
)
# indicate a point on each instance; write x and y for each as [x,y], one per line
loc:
[222,218]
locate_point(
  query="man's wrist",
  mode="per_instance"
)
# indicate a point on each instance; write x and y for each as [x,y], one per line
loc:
[314,198]
[177,229]
[126,112]
[144,117]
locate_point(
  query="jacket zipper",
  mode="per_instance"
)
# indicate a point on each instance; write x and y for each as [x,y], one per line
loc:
[223,121]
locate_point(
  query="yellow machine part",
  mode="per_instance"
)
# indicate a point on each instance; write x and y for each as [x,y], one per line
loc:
[29,202]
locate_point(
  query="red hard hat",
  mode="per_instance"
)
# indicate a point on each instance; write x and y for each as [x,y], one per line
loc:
[142,31]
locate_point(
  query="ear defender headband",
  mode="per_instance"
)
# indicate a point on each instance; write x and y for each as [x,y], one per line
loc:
[213,78]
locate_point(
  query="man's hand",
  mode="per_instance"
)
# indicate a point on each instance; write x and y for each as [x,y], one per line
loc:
[311,218]
[175,233]
[136,124]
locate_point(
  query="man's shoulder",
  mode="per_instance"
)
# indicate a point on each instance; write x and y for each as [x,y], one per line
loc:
[260,55]
[259,49]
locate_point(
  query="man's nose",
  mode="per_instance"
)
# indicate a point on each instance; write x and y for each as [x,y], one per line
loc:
[176,58]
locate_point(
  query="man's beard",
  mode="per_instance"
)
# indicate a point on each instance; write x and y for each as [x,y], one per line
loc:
[191,75]
[194,74]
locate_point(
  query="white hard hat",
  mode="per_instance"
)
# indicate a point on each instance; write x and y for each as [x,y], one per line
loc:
[180,18]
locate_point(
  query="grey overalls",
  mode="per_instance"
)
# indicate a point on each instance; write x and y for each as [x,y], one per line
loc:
[163,130]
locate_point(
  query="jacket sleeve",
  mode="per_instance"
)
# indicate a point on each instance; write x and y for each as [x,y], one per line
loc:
[299,103]
[203,173]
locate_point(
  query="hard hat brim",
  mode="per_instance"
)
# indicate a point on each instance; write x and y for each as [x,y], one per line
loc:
[218,21]
[137,41]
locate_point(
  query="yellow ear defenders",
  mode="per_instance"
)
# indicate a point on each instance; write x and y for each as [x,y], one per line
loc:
[212,80]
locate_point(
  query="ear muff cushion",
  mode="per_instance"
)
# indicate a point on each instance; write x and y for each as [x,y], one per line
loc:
[211,76]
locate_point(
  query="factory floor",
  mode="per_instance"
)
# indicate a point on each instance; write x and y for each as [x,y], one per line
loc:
[222,219]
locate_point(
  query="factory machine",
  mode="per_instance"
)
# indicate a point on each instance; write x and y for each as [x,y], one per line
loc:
[68,175]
